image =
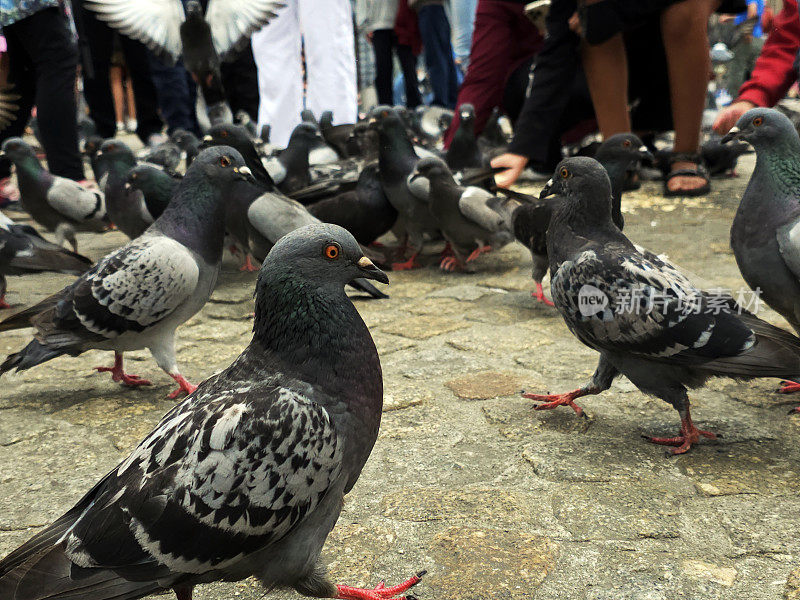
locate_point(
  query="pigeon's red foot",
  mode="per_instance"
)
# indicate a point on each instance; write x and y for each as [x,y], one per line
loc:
[789,387]
[379,592]
[478,251]
[248,265]
[450,264]
[3,303]
[411,263]
[539,295]
[185,386]
[555,400]
[119,375]
[688,436]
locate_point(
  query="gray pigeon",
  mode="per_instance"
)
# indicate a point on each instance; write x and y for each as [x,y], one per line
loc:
[125,206]
[23,250]
[187,142]
[137,296]
[464,215]
[247,476]
[643,316]
[157,186]
[56,203]
[764,234]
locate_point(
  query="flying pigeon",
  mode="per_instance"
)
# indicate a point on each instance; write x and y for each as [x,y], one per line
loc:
[23,250]
[246,476]
[643,316]
[464,215]
[56,203]
[137,296]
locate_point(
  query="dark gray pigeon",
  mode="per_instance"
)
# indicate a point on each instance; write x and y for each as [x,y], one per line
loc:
[336,136]
[156,185]
[23,250]
[137,296]
[125,206]
[91,148]
[721,159]
[247,476]
[464,152]
[166,154]
[187,142]
[643,316]
[464,215]
[56,203]
[764,234]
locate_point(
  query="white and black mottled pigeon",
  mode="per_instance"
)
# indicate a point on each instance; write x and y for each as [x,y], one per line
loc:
[56,203]
[137,296]
[464,215]
[642,314]
[246,476]
[23,250]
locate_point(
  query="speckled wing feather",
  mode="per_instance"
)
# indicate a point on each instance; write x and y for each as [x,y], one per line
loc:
[74,201]
[234,21]
[652,311]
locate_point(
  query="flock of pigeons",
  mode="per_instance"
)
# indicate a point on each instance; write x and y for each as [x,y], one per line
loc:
[246,476]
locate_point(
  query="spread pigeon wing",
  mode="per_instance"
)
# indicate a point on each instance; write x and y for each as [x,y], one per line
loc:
[652,309]
[788,237]
[74,201]
[155,23]
[473,204]
[130,290]
[233,21]
[220,477]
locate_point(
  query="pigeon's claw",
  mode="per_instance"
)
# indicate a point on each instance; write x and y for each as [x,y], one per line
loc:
[185,386]
[449,263]
[555,400]
[539,295]
[3,303]
[411,263]
[789,387]
[688,436]
[380,591]
[248,265]
[119,375]
[478,251]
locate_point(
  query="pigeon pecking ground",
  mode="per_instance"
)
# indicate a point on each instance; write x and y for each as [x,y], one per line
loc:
[466,480]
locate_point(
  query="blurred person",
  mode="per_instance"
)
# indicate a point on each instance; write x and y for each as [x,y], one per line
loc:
[377,21]
[177,95]
[434,29]
[746,45]
[463,15]
[122,92]
[324,31]
[775,70]
[43,63]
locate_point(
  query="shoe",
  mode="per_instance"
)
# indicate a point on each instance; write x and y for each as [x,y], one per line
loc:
[131,125]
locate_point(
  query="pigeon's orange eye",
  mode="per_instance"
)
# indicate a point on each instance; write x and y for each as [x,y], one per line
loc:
[224,161]
[564,173]
[332,251]
[758,121]
[627,143]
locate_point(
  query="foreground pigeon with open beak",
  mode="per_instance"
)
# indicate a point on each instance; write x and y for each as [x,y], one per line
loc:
[247,476]
[643,316]
[137,296]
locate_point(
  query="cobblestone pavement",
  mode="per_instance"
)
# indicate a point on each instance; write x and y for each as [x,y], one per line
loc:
[495,499]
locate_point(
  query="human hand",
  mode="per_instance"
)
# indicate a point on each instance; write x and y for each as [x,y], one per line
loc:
[752,10]
[513,165]
[729,115]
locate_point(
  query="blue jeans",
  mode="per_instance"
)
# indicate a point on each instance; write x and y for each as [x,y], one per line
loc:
[463,14]
[434,29]
[177,94]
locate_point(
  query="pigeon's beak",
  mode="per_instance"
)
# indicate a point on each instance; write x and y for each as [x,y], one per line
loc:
[244,173]
[733,134]
[547,190]
[645,155]
[127,185]
[370,271]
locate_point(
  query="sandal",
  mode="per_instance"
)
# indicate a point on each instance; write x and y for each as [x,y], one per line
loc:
[698,171]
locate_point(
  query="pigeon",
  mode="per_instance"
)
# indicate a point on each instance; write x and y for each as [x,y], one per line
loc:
[641,313]
[125,206]
[396,162]
[137,296]
[91,148]
[187,142]
[23,250]
[464,151]
[289,170]
[365,212]
[237,137]
[336,136]
[56,203]
[764,231]
[531,216]
[319,152]
[721,159]
[247,476]
[166,154]
[493,137]
[467,222]
[242,119]
[156,185]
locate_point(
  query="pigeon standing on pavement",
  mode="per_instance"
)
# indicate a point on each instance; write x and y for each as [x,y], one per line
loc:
[56,203]
[643,316]
[156,185]
[247,476]
[23,250]
[721,159]
[464,152]
[137,296]
[187,142]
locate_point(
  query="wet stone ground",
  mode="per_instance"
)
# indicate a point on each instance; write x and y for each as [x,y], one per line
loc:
[467,480]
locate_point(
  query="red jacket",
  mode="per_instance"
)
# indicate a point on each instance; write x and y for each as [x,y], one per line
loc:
[773,73]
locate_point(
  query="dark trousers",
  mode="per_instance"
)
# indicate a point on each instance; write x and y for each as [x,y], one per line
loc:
[96,88]
[177,95]
[43,64]
[384,41]
[240,80]
[434,29]
[503,40]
